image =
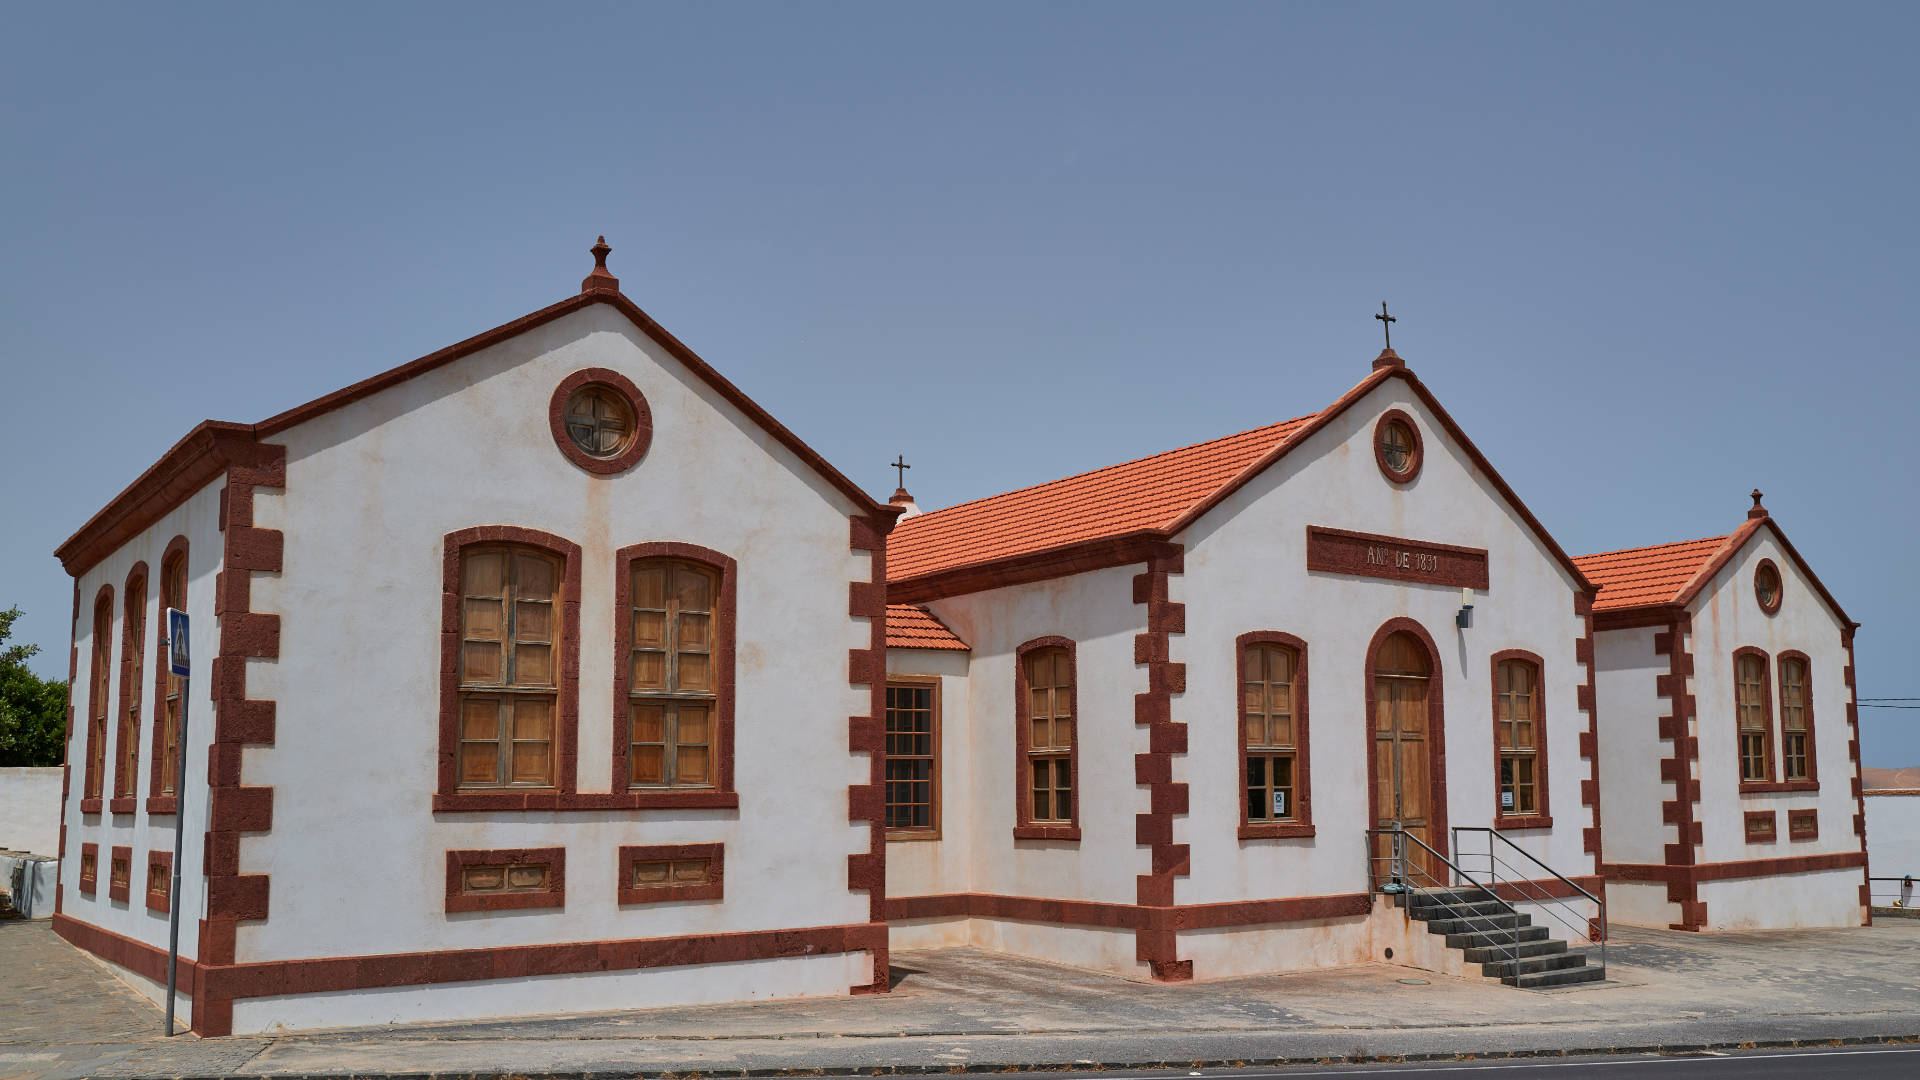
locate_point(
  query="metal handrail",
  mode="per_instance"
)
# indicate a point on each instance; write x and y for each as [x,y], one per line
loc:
[1551,904]
[1569,882]
[1400,865]
[1532,892]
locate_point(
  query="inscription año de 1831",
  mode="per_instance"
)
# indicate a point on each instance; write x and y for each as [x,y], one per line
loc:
[1402,559]
[1338,551]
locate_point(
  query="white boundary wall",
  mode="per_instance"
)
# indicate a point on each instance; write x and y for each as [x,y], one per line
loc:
[30,810]
[1893,844]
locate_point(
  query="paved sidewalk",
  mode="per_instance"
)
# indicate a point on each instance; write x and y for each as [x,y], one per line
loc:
[967,1009]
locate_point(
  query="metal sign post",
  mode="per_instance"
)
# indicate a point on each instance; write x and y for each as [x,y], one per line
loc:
[179,663]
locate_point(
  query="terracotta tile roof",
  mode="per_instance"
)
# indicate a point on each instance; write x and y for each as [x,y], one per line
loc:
[911,627]
[1907,779]
[1148,493]
[1645,576]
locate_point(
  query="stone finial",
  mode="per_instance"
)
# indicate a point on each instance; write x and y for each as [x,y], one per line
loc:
[1758,511]
[1388,359]
[601,279]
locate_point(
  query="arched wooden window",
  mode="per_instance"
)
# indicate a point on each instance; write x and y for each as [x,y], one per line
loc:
[509,665]
[1519,739]
[672,686]
[1276,800]
[102,673]
[1753,715]
[133,650]
[1045,726]
[1796,719]
[166,736]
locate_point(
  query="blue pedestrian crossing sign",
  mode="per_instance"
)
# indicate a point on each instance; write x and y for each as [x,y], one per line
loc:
[177,658]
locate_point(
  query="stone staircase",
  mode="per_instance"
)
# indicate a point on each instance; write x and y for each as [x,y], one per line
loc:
[1506,944]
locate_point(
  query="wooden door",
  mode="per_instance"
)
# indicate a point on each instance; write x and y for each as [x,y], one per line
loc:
[1403,776]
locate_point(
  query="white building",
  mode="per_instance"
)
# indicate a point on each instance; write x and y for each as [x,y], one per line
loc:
[548,672]
[1730,740]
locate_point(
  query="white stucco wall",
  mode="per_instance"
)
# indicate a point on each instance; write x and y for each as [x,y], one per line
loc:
[917,866]
[30,810]
[1096,611]
[198,520]
[1631,790]
[372,489]
[1893,844]
[1727,616]
[1245,570]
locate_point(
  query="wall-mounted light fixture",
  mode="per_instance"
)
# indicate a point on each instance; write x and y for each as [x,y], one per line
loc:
[1465,618]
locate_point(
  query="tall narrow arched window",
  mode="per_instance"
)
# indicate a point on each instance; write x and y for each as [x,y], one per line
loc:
[1796,719]
[97,706]
[1520,739]
[1275,798]
[167,687]
[1050,753]
[133,650]
[1046,730]
[672,687]
[509,666]
[1754,719]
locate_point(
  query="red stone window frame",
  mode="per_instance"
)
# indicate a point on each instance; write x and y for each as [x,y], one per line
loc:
[566,722]
[159,880]
[1024,827]
[725,624]
[1803,824]
[1542,817]
[89,868]
[637,443]
[710,889]
[1417,455]
[1772,723]
[120,873]
[1811,781]
[163,796]
[100,648]
[1760,826]
[1767,566]
[553,896]
[133,653]
[1302,823]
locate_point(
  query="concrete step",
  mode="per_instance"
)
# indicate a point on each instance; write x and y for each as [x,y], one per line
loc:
[1501,950]
[1468,895]
[1534,965]
[1498,937]
[1423,909]
[1480,924]
[1560,977]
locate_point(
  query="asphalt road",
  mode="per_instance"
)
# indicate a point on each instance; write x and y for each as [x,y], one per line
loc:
[1853,1063]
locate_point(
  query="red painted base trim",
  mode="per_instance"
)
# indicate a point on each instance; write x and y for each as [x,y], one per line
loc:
[225,983]
[1742,868]
[1096,913]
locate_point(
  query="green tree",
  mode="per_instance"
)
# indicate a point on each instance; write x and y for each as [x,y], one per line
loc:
[33,711]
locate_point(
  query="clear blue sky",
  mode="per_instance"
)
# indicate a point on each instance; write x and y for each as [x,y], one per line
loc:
[1651,256]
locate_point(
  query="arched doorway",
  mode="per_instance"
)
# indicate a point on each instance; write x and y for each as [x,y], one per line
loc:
[1407,784]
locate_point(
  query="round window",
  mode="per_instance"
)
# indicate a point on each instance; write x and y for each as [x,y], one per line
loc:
[1396,446]
[1766,586]
[599,420]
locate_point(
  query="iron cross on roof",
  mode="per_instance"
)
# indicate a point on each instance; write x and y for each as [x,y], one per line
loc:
[900,465]
[1386,323]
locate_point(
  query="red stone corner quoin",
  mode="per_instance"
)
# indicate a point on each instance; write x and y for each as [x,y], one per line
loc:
[867,871]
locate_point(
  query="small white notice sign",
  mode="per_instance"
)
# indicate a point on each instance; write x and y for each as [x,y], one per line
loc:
[1506,800]
[1279,804]
[178,661]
